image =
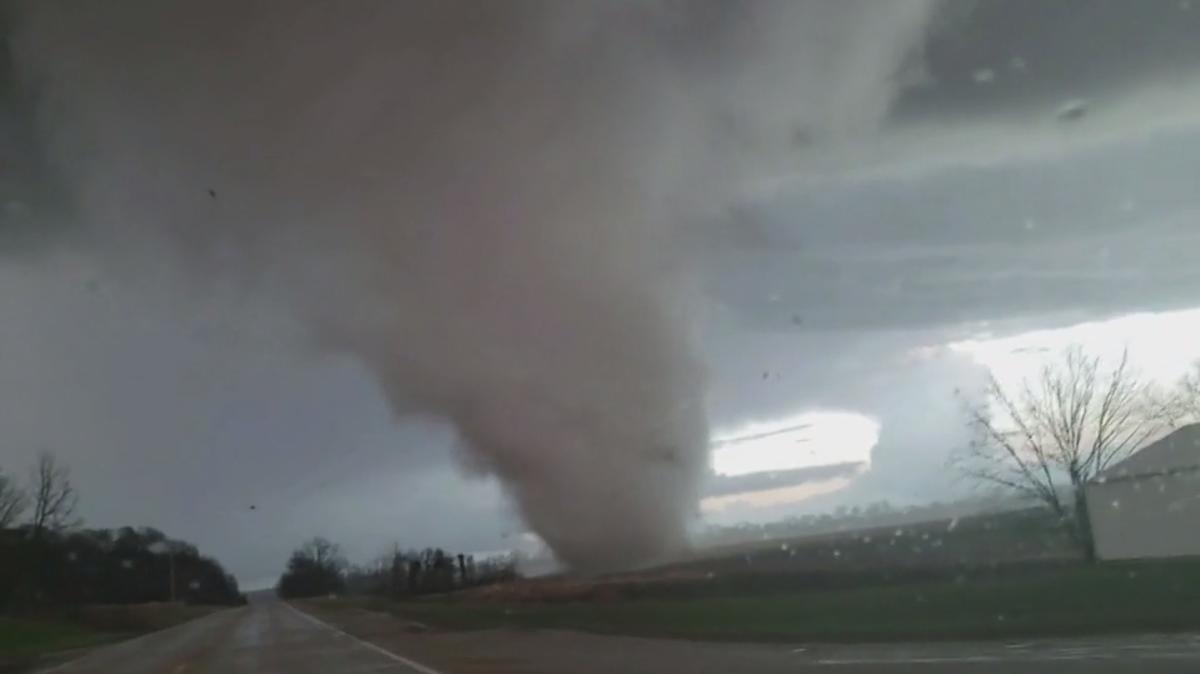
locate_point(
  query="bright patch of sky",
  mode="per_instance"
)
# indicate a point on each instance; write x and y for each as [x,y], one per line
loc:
[816,438]
[1162,346]
[741,504]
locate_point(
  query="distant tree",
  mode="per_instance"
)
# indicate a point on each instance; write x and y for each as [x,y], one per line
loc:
[1059,430]
[315,568]
[13,501]
[53,495]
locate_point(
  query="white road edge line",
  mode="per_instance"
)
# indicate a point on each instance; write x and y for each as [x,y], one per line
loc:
[412,664]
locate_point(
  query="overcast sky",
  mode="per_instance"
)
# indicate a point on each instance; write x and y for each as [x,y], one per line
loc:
[1036,169]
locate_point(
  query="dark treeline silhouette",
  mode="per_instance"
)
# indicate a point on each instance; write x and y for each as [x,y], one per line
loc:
[107,566]
[317,568]
[47,561]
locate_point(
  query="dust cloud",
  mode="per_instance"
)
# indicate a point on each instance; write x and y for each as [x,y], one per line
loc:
[481,201]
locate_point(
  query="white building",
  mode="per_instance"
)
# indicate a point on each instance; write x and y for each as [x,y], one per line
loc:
[1149,504]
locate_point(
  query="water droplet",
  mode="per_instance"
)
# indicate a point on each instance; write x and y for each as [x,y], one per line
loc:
[1072,110]
[837,554]
[783,546]
[953,524]
[1116,504]
[984,76]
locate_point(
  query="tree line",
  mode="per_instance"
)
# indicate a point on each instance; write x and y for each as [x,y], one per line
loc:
[318,568]
[48,560]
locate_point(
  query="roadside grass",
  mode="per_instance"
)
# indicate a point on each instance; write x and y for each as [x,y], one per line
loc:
[1064,600]
[25,639]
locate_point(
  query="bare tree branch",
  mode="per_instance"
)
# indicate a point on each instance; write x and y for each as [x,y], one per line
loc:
[1184,403]
[1063,427]
[54,497]
[13,501]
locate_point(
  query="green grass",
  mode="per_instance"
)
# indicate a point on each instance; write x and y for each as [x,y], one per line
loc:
[21,640]
[1064,600]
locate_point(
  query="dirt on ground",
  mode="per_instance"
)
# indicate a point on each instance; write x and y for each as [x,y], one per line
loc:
[508,651]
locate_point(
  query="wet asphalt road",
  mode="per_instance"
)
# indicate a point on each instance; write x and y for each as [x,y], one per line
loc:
[275,638]
[269,637]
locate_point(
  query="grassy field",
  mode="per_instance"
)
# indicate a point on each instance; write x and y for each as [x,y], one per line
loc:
[23,640]
[1059,600]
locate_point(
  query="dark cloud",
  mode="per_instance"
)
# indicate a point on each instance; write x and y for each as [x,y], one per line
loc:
[987,56]
[1102,231]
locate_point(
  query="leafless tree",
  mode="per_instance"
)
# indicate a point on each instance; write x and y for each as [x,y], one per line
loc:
[54,497]
[1052,434]
[324,554]
[1185,402]
[13,501]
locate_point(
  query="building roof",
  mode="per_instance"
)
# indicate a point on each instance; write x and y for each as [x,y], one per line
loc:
[1179,450]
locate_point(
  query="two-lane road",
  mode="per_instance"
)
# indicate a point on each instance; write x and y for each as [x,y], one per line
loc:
[266,637]
[271,637]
